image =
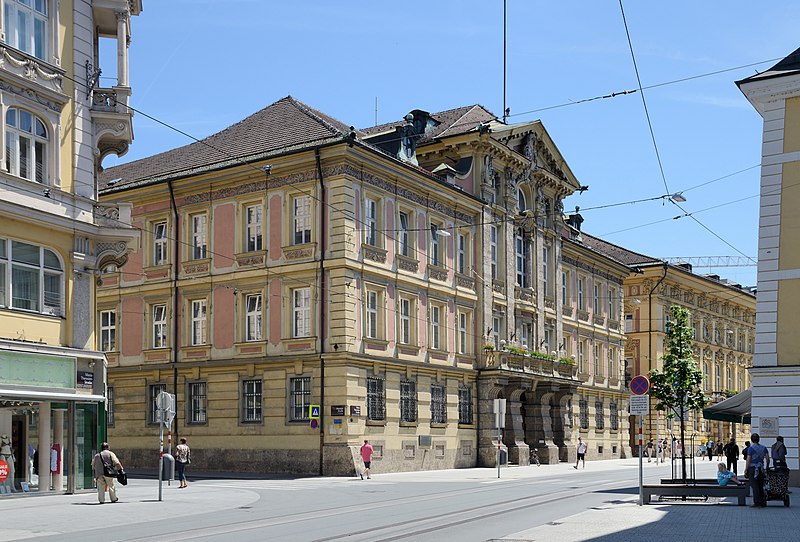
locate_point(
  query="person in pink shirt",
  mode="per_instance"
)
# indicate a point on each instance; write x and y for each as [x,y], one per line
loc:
[366,456]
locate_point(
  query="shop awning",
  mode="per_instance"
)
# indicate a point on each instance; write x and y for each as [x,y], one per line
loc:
[734,409]
[35,395]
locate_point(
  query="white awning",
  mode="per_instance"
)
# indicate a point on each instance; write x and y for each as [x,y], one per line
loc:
[34,395]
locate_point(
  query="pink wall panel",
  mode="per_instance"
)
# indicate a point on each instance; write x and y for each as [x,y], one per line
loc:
[131,323]
[450,322]
[422,320]
[359,224]
[275,227]
[224,317]
[224,241]
[274,304]
[132,270]
[422,242]
[391,314]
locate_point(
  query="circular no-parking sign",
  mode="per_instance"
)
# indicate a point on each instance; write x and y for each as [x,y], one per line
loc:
[639,385]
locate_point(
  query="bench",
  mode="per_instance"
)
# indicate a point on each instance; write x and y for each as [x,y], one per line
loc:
[680,490]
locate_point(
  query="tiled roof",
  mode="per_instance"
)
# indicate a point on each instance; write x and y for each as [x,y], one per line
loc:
[787,66]
[284,124]
[615,252]
[452,122]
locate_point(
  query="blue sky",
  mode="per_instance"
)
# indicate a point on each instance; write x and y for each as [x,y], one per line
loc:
[201,65]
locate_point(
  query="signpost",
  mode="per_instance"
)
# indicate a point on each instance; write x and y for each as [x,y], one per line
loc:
[500,423]
[640,406]
[165,402]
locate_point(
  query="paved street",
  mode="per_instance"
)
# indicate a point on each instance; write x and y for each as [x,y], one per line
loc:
[526,503]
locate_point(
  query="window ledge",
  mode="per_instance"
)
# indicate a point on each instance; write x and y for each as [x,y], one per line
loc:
[196,267]
[409,424]
[376,423]
[251,259]
[299,252]
[438,425]
[373,253]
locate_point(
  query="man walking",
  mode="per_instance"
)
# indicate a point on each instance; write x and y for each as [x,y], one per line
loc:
[366,456]
[710,449]
[756,469]
[105,467]
[649,450]
[731,451]
[581,454]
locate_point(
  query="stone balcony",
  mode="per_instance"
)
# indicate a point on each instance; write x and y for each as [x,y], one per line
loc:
[113,120]
[527,364]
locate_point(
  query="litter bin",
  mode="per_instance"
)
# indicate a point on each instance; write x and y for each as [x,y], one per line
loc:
[168,467]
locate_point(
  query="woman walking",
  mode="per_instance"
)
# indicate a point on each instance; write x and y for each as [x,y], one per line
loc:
[183,456]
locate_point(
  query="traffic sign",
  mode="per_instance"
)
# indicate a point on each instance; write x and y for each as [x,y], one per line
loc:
[313,411]
[4,471]
[640,404]
[639,385]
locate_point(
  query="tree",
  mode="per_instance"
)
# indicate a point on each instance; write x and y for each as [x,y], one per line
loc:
[677,387]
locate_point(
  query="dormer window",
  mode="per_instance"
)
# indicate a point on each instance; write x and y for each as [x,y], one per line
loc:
[26,145]
[26,26]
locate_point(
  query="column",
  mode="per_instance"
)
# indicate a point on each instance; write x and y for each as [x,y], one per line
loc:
[44,446]
[122,48]
[58,438]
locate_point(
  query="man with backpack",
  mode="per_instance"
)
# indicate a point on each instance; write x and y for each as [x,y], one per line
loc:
[105,467]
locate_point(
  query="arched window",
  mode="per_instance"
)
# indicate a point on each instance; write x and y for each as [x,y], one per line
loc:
[522,203]
[26,145]
[31,278]
[26,26]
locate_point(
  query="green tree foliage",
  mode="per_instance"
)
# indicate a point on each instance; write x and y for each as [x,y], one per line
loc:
[677,388]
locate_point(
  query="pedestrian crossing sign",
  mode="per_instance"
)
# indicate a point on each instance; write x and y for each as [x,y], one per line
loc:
[313,412]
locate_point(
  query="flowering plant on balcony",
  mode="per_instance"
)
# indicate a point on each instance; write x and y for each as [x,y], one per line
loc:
[488,347]
[542,355]
[517,350]
[566,361]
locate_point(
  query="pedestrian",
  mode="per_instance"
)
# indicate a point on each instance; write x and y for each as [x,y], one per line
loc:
[660,451]
[756,469]
[649,450]
[366,456]
[744,450]
[581,454]
[183,457]
[731,451]
[105,467]
[702,450]
[778,453]
[718,449]
[679,449]
[710,449]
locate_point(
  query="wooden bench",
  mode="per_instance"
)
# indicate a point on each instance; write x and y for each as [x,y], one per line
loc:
[680,490]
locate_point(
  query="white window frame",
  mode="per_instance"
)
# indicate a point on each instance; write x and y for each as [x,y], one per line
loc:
[435,254]
[301,220]
[598,361]
[497,325]
[404,234]
[464,319]
[254,228]
[42,290]
[26,40]
[581,293]
[252,401]
[108,330]
[519,245]
[160,242]
[253,317]
[406,334]
[158,314]
[301,312]
[371,324]
[546,270]
[371,222]
[493,245]
[299,397]
[462,262]
[199,335]
[596,308]
[199,231]
[612,300]
[435,318]
[31,143]
[564,288]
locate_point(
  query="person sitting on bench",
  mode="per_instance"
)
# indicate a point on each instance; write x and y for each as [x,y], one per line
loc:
[724,476]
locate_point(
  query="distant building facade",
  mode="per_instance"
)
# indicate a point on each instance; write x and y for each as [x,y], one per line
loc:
[775,93]
[58,125]
[401,278]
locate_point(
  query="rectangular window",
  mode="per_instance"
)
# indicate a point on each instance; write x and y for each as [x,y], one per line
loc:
[370,222]
[108,330]
[582,355]
[403,236]
[154,415]
[465,405]
[598,361]
[435,255]
[463,333]
[408,401]
[300,395]
[253,228]
[110,405]
[160,243]
[526,335]
[198,402]
[614,412]
[628,323]
[599,416]
[301,312]
[438,404]
[159,316]
[521,263]
[372,314]
[546,270]
[564,288]
[596,308]
[3,271]
[251,401]
[405,320]
[461,263]
[253,317]
[496,326]
[376,399]
[301,215]
[199,322]
[199,237]
[612,300]
[581,294]
[493,250]
[612,363]
[436,327]
[583,413]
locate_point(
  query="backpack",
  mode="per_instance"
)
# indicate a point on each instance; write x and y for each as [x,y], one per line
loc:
[108,467]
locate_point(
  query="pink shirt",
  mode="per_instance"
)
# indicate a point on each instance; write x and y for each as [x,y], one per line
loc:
[366,452]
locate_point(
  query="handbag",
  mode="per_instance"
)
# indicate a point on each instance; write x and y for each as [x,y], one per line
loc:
[108,468]
[122,477]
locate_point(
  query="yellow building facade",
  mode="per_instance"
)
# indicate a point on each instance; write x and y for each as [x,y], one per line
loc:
[54,236]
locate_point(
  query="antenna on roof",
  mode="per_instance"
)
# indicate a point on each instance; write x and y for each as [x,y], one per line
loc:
[376,110]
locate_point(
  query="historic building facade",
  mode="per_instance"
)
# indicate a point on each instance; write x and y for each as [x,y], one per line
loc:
[54,236]
[723,317]
[400,277]
[775,93]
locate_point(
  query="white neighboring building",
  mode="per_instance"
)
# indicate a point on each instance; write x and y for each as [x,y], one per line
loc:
[775,93]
